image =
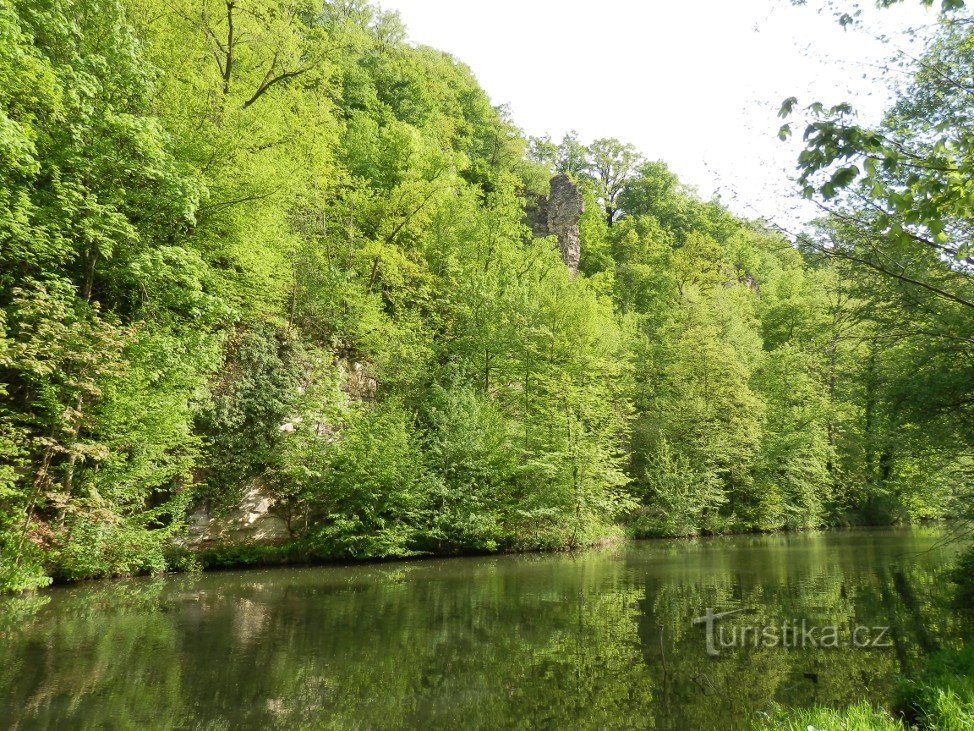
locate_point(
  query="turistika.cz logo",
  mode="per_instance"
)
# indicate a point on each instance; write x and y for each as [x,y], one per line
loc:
[789,634]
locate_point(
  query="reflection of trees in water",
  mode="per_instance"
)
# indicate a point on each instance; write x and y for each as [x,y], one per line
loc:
[552,643]
[532,642]
[825,587]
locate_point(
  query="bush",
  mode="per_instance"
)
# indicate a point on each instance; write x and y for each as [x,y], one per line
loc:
[229,557]
[354,476]
[680,500]
[26,575]
[472,468]
[942,696]
[93,550]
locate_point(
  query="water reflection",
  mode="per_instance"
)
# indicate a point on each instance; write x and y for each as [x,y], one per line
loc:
[600,640]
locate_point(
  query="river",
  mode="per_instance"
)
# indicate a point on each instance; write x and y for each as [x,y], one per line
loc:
[602,639]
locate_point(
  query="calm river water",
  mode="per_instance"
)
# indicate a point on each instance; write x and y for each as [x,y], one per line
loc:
[604,639]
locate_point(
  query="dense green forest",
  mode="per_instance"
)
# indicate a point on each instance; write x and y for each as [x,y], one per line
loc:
[269,243]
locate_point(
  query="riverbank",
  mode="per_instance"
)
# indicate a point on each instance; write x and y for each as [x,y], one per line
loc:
[299,554]
[939,698]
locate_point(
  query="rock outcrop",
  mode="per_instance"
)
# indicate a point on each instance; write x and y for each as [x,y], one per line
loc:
[253,522]
[559,215]
[257,520]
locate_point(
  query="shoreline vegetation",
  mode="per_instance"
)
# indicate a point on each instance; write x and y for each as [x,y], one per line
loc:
[939,698]
[242,557]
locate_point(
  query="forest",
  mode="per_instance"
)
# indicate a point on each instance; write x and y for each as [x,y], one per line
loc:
[269,262]
[269,244]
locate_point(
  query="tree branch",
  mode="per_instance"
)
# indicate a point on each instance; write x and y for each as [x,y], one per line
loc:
[269,82]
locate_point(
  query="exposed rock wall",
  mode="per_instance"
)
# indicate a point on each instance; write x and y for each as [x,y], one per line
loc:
[257,520]
[253,522]
[559,215]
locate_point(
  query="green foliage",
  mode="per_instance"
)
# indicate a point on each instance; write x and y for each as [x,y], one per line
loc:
[363,487]
[680,500]
[470,455]
[899,234]
[942,695]
[247,555]
[243,424]
[860,717]
[964,578]
[794,468]
[298,267]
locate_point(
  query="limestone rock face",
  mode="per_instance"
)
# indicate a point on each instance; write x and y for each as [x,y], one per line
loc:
[253,522]
[559,215]
[256,520]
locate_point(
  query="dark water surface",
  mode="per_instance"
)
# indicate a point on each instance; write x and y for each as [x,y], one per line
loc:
[597,640]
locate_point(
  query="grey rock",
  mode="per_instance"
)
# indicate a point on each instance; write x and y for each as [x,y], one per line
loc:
[253,522]
[558,215]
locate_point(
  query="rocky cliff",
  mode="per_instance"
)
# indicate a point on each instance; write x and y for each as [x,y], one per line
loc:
[558,214]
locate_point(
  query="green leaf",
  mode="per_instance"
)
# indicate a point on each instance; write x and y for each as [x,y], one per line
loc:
[787,107]
[845,176]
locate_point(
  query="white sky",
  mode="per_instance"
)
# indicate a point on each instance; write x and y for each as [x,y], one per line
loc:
[697,84]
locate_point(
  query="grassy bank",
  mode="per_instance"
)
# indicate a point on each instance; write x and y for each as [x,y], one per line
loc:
[939,698]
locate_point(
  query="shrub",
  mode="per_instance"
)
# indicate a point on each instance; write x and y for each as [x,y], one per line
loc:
[942,696]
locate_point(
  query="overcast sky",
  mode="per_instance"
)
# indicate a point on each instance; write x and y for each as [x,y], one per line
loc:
[697,84]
